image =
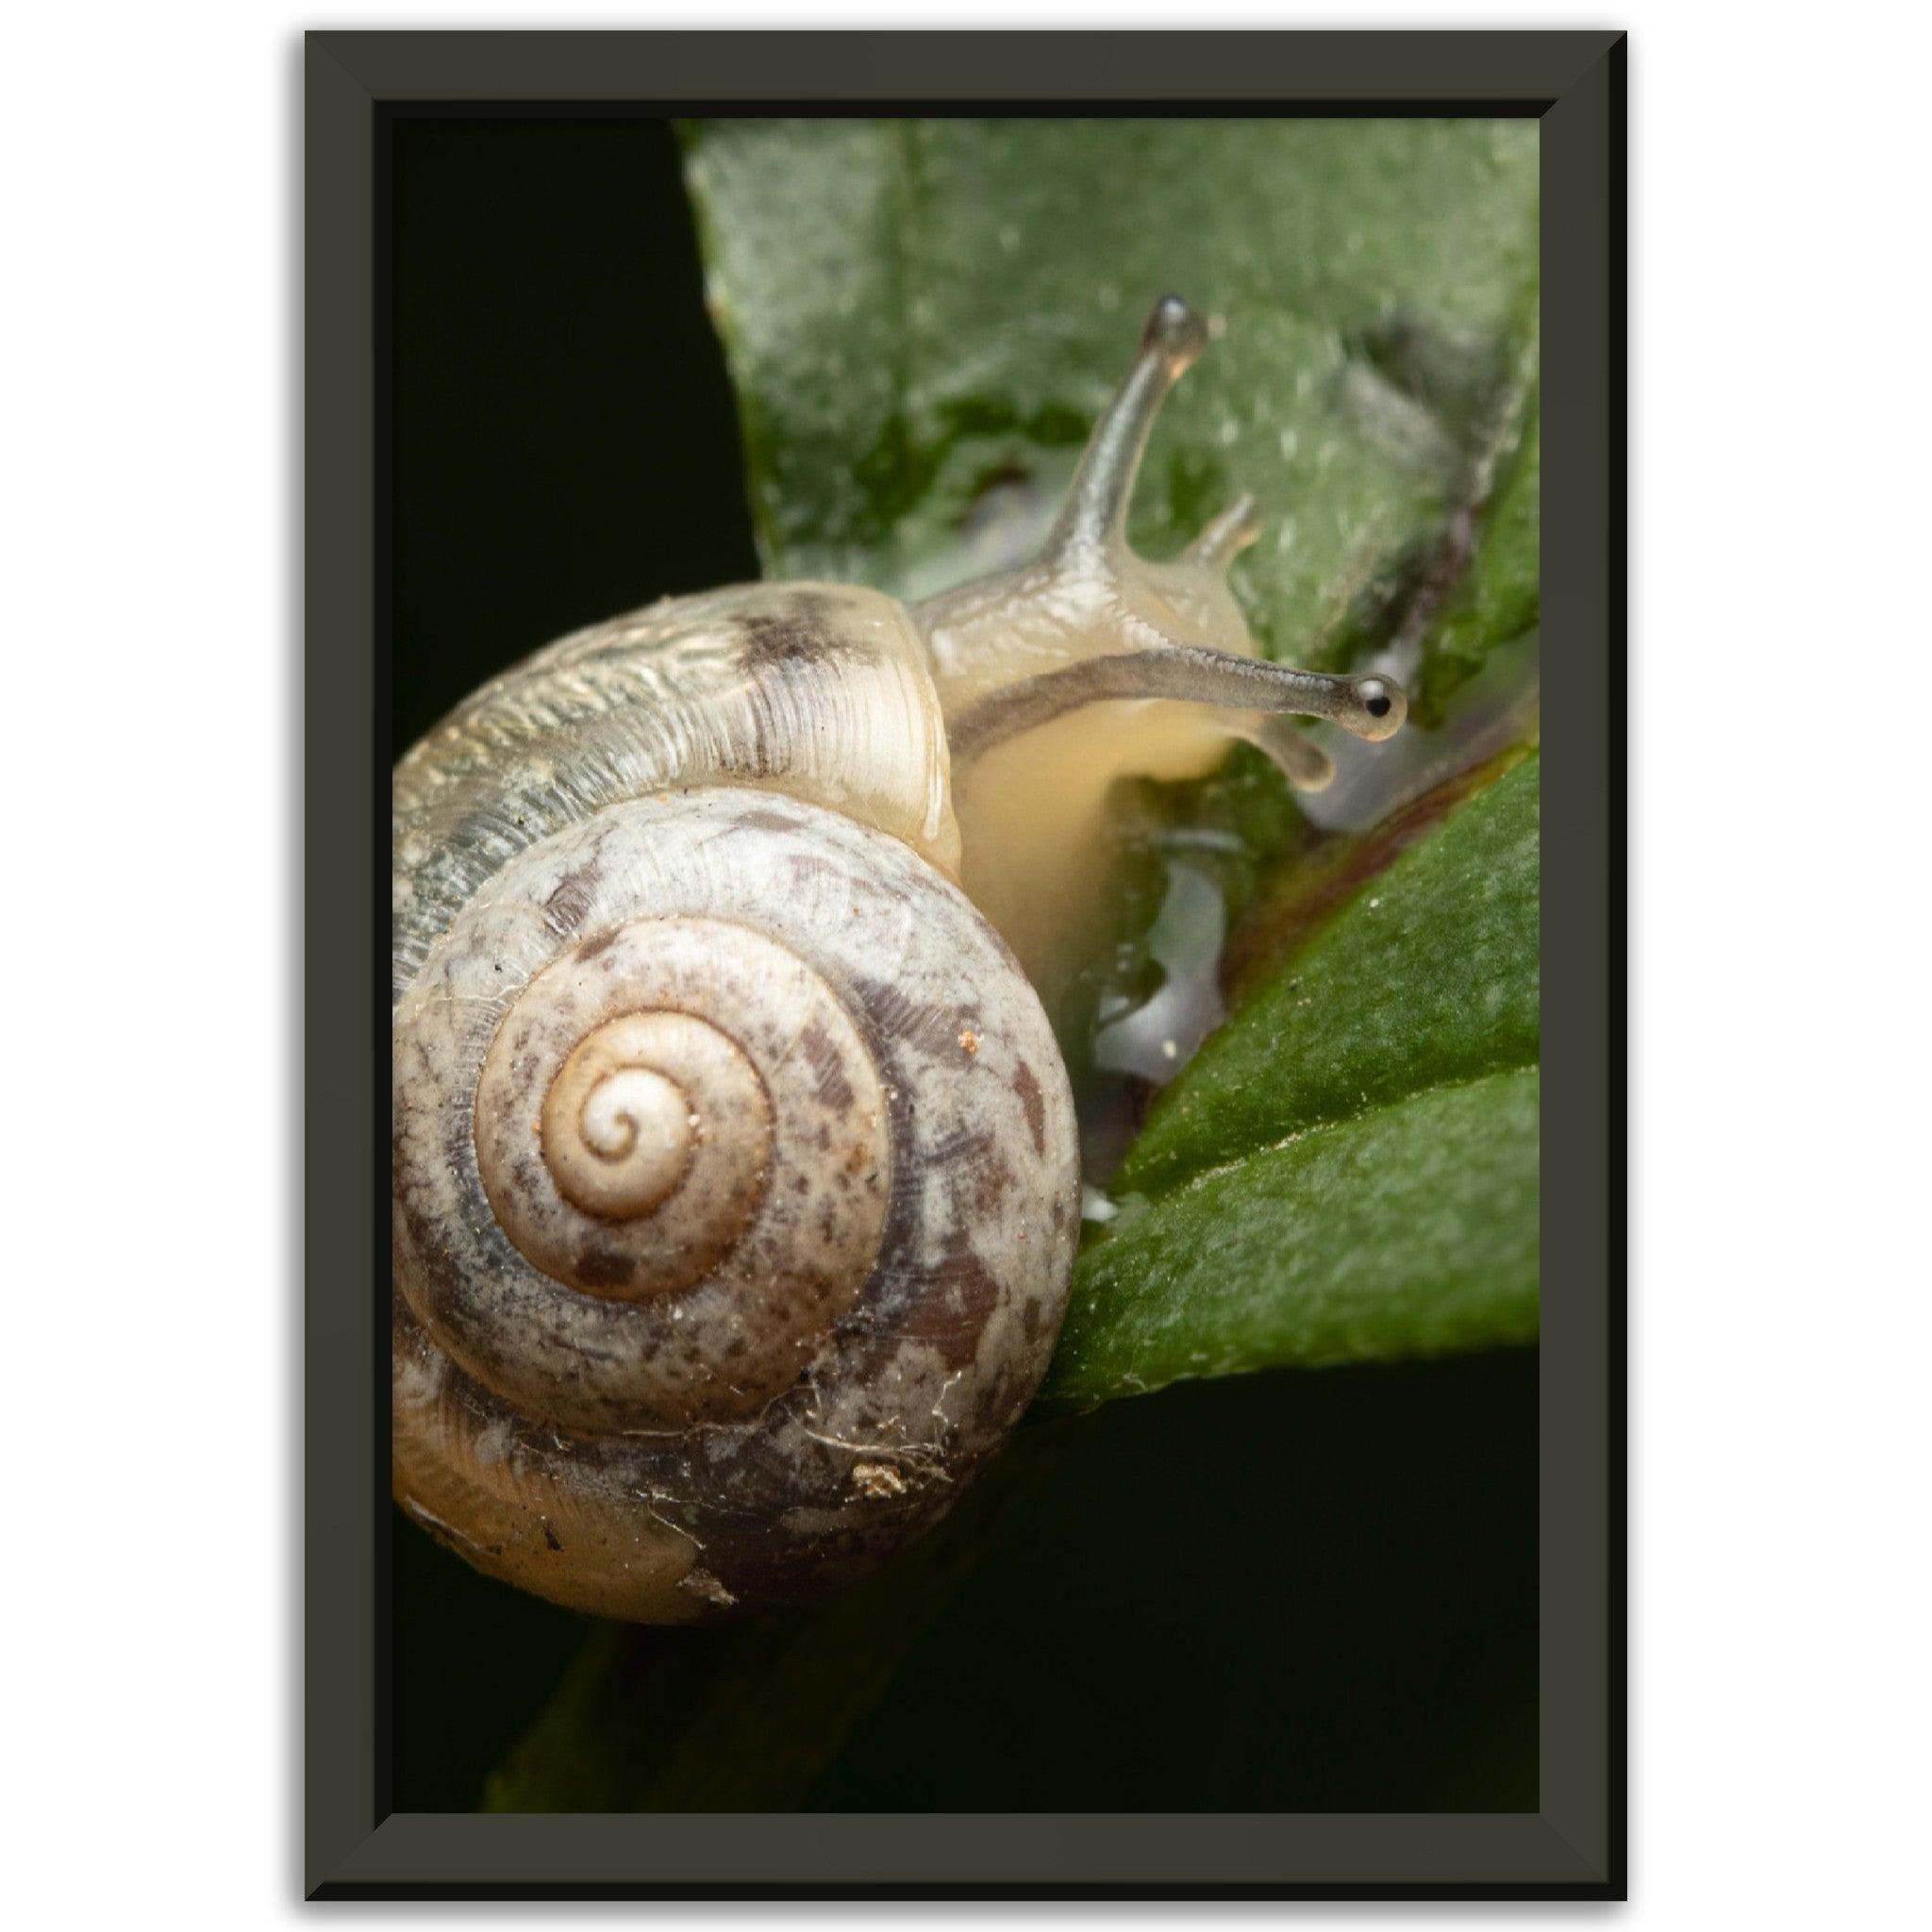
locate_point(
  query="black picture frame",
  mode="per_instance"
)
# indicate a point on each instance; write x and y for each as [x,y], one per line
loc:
[1574,1846]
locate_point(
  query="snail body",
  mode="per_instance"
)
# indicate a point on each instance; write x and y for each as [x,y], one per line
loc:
[736,1173]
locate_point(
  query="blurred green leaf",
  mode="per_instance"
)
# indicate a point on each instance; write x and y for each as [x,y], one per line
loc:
[1497,598]
[923,317]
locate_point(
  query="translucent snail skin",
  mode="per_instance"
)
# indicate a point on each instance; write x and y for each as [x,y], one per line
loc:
[735,1173]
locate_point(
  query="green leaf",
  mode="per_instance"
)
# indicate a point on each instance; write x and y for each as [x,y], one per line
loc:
[1408,1231]
[1348,1168]
[924,316]
[1426,975]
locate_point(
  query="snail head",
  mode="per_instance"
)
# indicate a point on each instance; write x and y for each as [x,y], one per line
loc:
[1090,622]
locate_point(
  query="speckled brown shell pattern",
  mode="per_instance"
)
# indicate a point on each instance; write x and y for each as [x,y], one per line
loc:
[751,1416]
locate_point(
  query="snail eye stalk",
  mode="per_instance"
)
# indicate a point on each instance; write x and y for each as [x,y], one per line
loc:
[1370,708]
[1095,512]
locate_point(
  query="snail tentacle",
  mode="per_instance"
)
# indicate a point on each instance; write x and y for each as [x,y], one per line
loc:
[1095,512]
[1223,537]
[1368,706]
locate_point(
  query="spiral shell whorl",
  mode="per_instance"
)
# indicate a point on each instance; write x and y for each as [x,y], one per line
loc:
[647,1098]
[618,1132]
[736,1194]
[692,1284]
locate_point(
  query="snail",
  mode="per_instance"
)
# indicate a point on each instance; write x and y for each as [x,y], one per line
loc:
[736,1184]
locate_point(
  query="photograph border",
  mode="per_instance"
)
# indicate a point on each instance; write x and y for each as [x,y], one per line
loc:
[1575,1846]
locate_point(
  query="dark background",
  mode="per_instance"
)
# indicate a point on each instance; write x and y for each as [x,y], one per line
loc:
[1279,1592]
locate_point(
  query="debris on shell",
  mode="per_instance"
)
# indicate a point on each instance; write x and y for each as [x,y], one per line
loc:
[877,1479]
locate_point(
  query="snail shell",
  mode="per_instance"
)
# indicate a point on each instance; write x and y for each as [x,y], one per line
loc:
[753,1241]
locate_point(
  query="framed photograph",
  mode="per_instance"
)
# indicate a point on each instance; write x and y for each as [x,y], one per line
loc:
[970,661]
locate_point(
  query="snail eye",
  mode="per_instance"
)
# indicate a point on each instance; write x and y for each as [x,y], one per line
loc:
[1377,702]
